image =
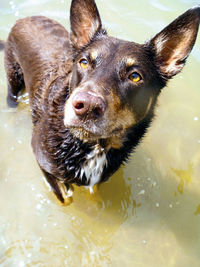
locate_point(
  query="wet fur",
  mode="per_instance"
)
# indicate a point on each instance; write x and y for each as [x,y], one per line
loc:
[2,44]
[47,67]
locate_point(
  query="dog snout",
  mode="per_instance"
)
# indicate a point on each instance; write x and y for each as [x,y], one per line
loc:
[86,104]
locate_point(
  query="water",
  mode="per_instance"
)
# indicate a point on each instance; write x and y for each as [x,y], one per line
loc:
[148,214]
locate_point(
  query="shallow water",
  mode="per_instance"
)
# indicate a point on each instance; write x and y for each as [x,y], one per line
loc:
[148,214]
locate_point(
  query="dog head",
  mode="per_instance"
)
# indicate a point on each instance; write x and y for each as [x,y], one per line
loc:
[115,83]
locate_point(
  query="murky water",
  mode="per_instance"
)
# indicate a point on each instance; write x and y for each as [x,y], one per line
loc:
[148,214]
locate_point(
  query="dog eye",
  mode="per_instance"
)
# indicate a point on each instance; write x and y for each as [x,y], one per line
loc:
[84,63]
[135,77]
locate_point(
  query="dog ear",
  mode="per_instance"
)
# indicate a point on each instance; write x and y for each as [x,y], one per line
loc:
[173,45]
[85,22]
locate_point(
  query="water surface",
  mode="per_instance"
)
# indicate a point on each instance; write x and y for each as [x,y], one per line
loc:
[148,214]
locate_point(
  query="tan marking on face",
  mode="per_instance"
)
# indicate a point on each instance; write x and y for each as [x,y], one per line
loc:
[121,118]
[93,55]
[123,114]
[130,62]
[114,142]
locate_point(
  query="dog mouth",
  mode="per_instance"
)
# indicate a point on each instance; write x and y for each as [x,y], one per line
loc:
[83,134]
[87,135]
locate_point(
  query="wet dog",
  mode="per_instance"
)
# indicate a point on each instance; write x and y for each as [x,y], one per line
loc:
[92,96]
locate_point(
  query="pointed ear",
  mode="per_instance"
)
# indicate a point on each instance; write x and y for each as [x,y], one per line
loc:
[173,45]
[85,22]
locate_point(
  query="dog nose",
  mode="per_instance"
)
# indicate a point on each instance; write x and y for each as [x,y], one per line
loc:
[86,104]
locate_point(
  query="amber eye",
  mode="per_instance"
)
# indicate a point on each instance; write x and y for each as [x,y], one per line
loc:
[135,77]
[84,63]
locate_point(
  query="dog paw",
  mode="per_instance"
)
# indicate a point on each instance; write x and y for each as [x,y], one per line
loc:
[66,192]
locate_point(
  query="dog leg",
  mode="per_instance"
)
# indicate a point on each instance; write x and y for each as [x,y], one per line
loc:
[63,191]
[15,78]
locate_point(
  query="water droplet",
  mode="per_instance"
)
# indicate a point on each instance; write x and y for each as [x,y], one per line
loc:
[171,206]
[39,195]
[157,205]
[92,253]
[39,206]
[21,264]
[154,184]
[3,241]
[196,118]
[32,187]
[142,192]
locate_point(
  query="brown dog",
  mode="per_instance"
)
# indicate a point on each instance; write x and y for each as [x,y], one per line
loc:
[92,96]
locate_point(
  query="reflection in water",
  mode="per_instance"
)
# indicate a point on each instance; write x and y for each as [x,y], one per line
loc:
[197,212]
[148,214]
[185,177]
